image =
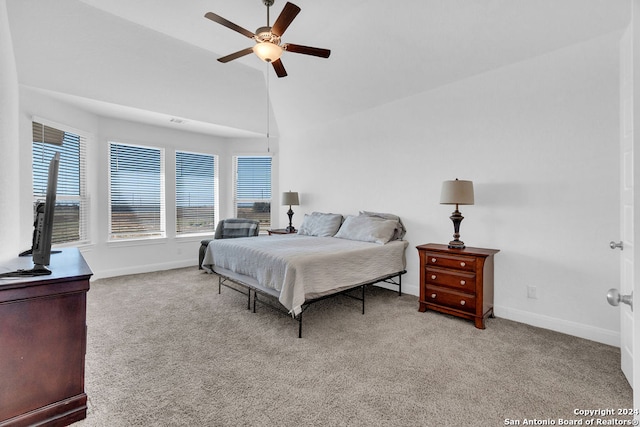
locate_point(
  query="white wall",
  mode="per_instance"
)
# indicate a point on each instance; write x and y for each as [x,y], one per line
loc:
[9,215]
[116,258]
[539,140]
[91,54]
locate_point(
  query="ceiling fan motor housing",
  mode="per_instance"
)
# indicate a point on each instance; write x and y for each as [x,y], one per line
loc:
[264,34]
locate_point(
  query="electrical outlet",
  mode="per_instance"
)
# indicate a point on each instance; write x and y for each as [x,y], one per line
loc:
[532,292]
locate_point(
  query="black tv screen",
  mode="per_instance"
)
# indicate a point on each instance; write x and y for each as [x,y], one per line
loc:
[43,224]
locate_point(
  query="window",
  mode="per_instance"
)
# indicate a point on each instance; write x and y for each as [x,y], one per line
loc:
[136,192]
[253,189]
[70,222]
[196,191]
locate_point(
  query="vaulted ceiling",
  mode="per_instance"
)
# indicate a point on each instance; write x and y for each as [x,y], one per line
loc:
[156,59]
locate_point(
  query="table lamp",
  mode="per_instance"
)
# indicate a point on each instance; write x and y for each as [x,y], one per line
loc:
[456,193]
[290,198]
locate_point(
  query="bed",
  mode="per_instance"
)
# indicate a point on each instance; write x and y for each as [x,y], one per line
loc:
[329,255]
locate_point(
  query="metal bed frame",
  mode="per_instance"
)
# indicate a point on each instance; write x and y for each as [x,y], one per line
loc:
[393,279]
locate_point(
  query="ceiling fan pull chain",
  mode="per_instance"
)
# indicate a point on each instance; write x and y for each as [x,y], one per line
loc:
[268,115]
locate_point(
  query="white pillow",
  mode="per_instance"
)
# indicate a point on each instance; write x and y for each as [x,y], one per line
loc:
[367,229]
[320,224]
[400,230]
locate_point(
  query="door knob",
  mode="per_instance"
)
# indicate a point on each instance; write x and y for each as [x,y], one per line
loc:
[614,298]
[614,245]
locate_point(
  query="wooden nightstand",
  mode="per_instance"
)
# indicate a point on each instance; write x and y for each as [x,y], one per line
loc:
[457,281]
[280,231]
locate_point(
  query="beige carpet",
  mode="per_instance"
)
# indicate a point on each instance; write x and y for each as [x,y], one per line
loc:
[164,349]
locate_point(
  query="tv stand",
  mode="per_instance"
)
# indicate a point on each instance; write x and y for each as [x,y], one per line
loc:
[37,270]
[43,340]
[30,252]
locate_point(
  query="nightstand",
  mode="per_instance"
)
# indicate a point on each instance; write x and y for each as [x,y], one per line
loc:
[280,231]
[457,281]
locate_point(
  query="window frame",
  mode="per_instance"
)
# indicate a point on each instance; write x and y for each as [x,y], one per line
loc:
[82,198]
[263,226]
[162,221]
[216,195]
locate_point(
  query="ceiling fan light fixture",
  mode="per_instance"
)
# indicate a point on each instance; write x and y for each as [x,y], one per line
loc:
[267,51]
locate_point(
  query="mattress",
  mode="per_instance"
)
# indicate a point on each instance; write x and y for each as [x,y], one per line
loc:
[300,268]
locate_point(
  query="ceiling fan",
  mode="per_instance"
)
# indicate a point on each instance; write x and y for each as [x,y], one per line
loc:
[268,47]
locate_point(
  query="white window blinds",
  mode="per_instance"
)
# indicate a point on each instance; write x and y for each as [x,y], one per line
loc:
[72,203]
[253,189]
[196,192]
[136,191]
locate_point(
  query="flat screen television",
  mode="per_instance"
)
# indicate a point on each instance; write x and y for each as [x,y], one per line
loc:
[42,227]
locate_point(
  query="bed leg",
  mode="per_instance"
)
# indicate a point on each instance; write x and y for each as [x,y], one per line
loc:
[362,299]
[255,297]
[248,298]
[219,285]
[399,285]
[300,325]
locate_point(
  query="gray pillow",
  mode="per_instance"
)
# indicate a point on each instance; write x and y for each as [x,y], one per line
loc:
[320,224]
[367,229]
[400,230]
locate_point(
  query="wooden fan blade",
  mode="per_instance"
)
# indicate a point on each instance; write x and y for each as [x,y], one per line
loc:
[285,18]
[279,68]
[220,20]
[236,55]
[307,50]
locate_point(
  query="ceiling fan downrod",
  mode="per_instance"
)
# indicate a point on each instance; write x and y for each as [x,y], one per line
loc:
[268,3]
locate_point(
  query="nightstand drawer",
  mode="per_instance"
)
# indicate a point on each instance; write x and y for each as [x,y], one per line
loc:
[461,280]
[451,299]
[459,262]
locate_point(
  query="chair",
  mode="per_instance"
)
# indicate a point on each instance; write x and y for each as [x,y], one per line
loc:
[229,229]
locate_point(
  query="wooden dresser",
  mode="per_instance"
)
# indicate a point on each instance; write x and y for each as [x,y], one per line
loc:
[457,281]
[43,338]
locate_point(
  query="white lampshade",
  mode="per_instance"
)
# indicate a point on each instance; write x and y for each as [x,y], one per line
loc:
[290,198]
[457,193]
[267,51]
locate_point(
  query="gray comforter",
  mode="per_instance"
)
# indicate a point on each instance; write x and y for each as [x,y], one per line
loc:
[305,267]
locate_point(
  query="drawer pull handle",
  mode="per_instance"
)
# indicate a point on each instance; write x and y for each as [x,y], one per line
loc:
[433,260]
[433,277]
[462,302]
[433,295]
[462,264]
[463,282]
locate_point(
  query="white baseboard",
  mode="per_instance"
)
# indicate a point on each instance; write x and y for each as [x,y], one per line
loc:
[148,268]
[406,289]
[592,333]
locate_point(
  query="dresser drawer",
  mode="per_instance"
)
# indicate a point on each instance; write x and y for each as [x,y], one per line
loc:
[451,299]
[461,280]
[459,262]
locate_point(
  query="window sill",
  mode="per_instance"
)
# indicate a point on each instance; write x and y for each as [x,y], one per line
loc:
[138,242]
[195,236]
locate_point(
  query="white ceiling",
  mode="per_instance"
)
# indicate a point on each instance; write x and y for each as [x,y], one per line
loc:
[382,51]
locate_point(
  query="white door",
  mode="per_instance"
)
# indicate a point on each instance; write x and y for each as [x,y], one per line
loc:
[633,335]
[630,191]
